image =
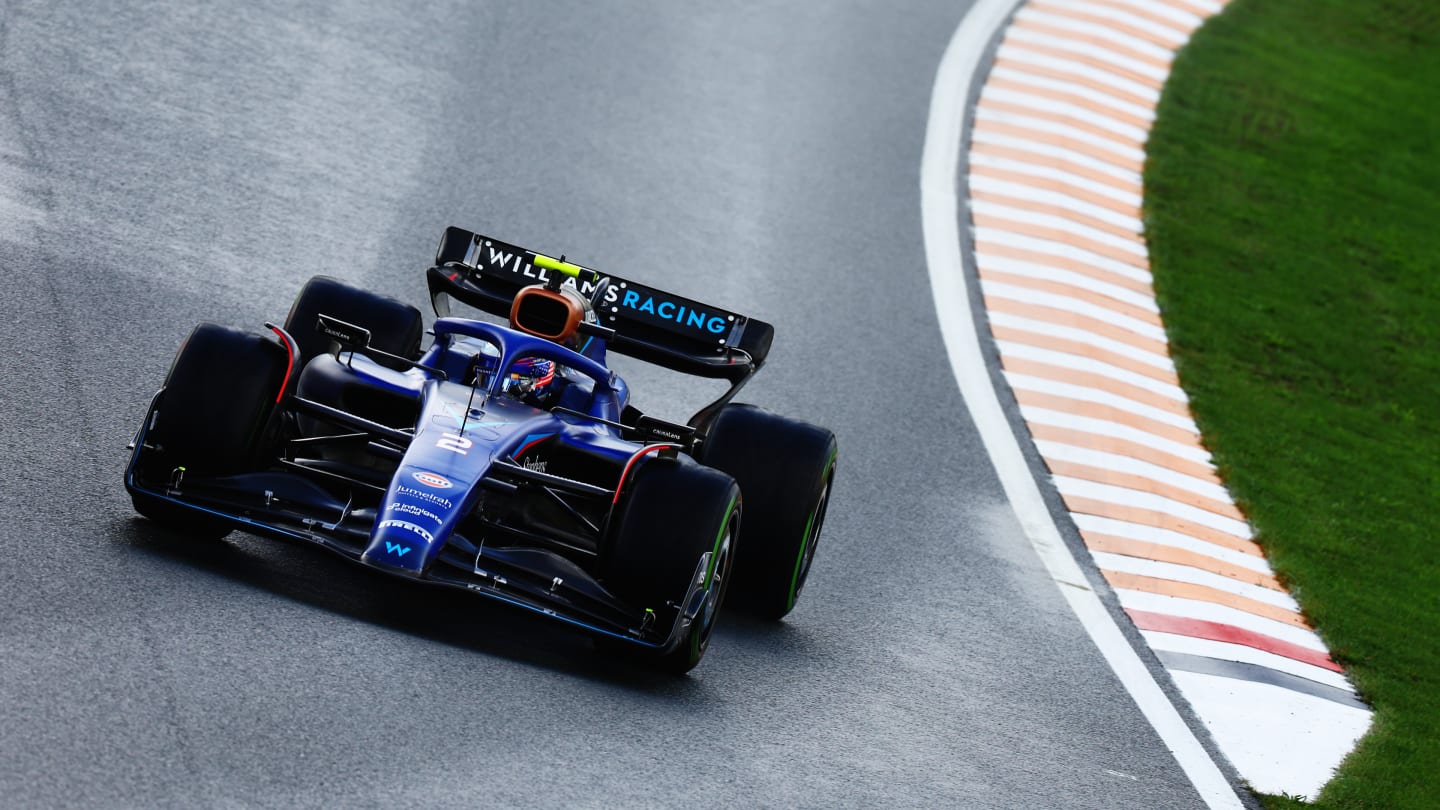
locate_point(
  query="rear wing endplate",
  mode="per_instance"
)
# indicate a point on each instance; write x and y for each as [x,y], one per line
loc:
[650,324]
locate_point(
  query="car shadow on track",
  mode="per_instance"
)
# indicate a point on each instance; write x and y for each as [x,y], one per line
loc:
[320,579]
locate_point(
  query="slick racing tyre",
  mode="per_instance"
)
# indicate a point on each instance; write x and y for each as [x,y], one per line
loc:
[785,468]
[214,418]
[673,513]
[395,326]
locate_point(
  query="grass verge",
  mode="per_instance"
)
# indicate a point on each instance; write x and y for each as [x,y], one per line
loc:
[1293,215]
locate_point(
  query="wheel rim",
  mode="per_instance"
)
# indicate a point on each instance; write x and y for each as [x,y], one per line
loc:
[812,539]
[719,580]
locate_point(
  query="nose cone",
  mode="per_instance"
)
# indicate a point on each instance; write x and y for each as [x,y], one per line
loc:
[401,546]
[413,524]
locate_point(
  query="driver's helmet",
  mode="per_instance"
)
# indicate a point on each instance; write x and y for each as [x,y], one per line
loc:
[529,377]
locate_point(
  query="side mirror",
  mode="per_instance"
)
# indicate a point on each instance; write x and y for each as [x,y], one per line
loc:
[348,335]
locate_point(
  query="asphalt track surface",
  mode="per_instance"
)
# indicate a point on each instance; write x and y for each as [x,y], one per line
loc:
[170,163]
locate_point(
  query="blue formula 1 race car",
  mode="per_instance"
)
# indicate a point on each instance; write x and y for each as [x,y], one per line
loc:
[508,461]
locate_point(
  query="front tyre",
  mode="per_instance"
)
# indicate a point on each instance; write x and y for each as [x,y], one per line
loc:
[674,513]
[785,469]
[214,417]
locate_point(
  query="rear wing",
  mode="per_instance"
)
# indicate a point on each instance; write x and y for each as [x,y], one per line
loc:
[649,324]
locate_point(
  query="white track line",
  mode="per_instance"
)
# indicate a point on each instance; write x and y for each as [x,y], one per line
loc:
[944,135]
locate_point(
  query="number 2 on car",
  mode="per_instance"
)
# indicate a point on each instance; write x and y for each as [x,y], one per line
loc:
[454,443]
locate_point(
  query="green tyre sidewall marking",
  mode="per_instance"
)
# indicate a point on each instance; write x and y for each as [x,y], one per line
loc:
[696,633]
[807,540]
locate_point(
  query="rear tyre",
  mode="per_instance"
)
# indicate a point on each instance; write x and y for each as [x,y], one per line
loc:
[675,512]
[214,418]
[395,326]
[785,468]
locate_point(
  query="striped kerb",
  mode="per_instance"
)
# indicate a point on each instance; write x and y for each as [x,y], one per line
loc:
[1055,194]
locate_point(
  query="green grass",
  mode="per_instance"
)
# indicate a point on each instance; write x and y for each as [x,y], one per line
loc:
[1293,216]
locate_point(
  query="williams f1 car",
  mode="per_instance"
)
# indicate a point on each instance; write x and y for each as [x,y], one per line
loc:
[506,460]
